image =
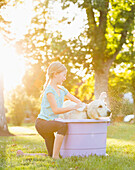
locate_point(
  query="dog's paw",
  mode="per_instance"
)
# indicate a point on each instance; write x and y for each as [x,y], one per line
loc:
[19,153]
[110,116]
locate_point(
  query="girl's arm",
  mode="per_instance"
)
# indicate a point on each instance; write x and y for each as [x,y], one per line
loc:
[72,98]
[57,110]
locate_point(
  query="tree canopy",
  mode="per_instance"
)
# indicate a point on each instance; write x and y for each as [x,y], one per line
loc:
[109,26]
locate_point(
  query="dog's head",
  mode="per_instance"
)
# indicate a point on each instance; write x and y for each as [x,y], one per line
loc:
[98,108]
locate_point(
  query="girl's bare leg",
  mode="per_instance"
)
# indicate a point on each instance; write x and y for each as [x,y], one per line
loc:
[21,153]
[57,145]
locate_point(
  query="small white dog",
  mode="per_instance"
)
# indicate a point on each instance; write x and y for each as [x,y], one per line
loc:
[97,109]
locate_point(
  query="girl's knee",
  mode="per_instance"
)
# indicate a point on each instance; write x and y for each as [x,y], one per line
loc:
[63,129]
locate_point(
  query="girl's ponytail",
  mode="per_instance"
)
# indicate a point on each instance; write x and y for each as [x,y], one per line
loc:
[45,85]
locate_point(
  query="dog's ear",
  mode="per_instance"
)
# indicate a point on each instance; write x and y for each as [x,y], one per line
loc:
[103,96]
[86,108]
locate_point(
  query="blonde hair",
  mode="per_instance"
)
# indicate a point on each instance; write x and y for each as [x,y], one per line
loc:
[54,67]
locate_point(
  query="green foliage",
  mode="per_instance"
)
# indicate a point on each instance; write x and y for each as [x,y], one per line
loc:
[86,90]
[33,80]
[16,109]
[3,22]
[36,47]
[109,26]
[120,106]
[127,108]
[120,82]
[20,106]
[62,51]
[41,46]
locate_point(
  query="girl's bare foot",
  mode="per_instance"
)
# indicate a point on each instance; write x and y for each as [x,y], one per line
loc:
[56,157]
[19,153]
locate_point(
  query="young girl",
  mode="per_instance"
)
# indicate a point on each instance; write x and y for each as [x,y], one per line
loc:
[51,106]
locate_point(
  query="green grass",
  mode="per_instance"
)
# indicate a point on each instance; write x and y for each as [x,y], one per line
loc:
[120,147]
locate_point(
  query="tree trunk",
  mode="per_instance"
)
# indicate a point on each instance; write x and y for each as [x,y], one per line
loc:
[3,123]
[101,81]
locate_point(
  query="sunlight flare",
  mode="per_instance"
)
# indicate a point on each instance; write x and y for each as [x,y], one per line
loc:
[12,66]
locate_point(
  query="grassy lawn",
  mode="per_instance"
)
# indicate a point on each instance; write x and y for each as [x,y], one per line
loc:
[120,147]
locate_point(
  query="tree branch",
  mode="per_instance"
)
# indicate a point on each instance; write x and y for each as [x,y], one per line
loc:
[90,15]
[103,17]
[124,33]
[122,41]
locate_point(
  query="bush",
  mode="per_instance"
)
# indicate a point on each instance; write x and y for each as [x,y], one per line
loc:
[120,108]
[127,107]
[21,106]
[15,105]
[17,113]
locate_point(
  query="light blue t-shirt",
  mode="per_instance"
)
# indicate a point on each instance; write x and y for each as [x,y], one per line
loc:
[46,111]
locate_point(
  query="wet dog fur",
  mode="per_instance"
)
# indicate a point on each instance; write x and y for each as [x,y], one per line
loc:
[96,109]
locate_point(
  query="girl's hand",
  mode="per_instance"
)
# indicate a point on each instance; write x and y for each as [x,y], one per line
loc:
[79,105]
[82,108]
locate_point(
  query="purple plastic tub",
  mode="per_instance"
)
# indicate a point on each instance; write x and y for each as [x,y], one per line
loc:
[85,137]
